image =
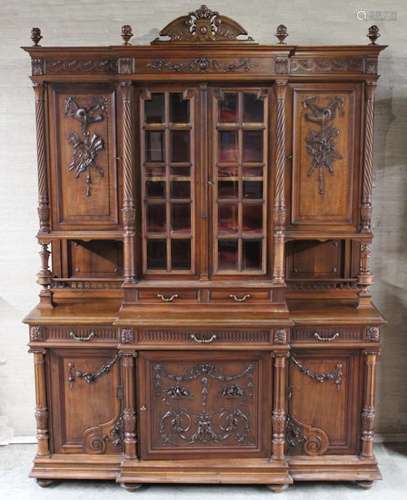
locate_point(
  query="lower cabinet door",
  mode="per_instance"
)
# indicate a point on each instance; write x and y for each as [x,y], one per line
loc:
[195,404]
[84,390]
[324,402]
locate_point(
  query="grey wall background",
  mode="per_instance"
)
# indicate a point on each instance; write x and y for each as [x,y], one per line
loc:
[94,22]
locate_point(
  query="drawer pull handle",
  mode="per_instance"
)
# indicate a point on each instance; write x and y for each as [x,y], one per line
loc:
[326,339]
[197,340]
[82,339]
[166,298]
[241,298]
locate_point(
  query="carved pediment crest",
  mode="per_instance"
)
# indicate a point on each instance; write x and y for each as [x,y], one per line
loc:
[203,25]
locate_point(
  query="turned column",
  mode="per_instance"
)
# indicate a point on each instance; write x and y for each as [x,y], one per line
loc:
[128,211]
[44,277]
[279,414]
[365,277]
[41,410]
[279,208]
[366,206]
[43,198]
[369,399]
[129,412]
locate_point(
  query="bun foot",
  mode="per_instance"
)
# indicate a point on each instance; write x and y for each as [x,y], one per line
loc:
[365,484]
[45,483]
[131,486]
[277,488]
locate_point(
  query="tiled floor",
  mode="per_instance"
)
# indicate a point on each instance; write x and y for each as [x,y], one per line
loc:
[15,485]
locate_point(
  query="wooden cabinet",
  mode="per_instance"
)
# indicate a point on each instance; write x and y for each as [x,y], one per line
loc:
[205,226]
[197,403]
[85,396]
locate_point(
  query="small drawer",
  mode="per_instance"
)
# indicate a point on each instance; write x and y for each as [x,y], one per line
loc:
[240,296]
[167,296]
[322,335]
[198,338]
[74,334]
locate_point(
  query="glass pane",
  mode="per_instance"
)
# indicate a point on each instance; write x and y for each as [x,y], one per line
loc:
[181,254]
[228,189]
[181,216]
[253,189]
[252,250]
[181,171]
[156,218]
[154,109]
[232,171]
[179,108]
[154,171]
[154,145]
[252,171]
[156,254]
[180,145]
[155,189]
[180,189]
[228,215]
[227,254]
[228,145]
[228,108]
[252,145]
[252,108]
[252,217]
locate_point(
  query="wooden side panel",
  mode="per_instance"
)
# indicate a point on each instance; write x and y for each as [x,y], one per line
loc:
[315,259]
[95,259]
[324,403]
[85,415]
[83,157]
[216,404]
[325,177]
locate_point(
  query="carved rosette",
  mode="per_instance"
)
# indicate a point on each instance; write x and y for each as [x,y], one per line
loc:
[321,143]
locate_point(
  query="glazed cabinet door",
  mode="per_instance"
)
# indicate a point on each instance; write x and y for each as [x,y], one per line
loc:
[325,159]
[324,402]
[204,404]
[84,401]
[84,176]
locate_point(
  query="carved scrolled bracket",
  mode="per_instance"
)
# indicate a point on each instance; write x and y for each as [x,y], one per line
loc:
[313,440]
[331,376]
[321,144]
[95,439]
[90,377]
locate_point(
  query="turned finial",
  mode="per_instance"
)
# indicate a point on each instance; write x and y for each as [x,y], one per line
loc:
[281,34]
[373,34]
[126,34]
[36,36]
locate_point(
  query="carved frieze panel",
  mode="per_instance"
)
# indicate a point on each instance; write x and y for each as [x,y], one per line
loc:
[202,64]
[69,66]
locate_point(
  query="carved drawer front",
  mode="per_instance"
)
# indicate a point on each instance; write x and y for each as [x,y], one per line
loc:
[324,336]
[168,296]
[197,337]
[324,402]
[325,154]
[83,157]
[240,296]
[86,411]
[215,403]
[76,334]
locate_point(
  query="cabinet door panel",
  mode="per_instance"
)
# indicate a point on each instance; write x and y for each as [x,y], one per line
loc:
[84,173]
[210,403]
[85,413]
[324,407]
[326,147]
